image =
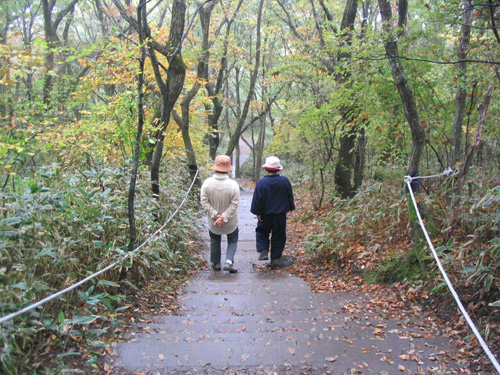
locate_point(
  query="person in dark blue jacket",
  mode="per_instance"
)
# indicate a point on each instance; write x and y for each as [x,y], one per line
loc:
[272,199]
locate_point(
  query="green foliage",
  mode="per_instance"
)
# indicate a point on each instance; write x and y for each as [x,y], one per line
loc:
[396,269]
[370,235]
[375,217]
[481,270]
[64,168]
[59,227]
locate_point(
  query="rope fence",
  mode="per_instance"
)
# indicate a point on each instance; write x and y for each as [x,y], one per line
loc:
[109,267]
[447,173]
[407,180]
[476,332]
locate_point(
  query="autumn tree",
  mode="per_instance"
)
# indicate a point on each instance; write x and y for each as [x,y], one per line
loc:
[235,137]
[51,24]
[404,89]
[201,77]
[10,11]
[217,81]
[462,50]
[332,57]
[170,86]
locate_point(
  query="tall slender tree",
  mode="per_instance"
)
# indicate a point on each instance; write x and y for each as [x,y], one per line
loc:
[461,96]
[140,126]
[202,74]
[50,25]
[235,137]
[403,86]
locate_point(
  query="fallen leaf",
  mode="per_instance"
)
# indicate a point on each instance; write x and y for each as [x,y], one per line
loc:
[161,356]
[331,359]
[378,331]
[291,351]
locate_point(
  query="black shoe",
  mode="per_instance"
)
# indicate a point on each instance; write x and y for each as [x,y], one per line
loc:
[263,255]
[216,266]
[276,263]
[230,268]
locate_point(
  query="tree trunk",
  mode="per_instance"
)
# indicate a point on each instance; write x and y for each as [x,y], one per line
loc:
[344,166]
[251,91]
[184,121]
[49,61]
[214,90]
[259,149]
[172,87]
[137,145]
[417,130]
[460,182]
[236,163]
[463,46]
[360,158]
[403,87]
[50,27]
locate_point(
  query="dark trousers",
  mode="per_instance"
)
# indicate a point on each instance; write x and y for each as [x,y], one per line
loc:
[273,226]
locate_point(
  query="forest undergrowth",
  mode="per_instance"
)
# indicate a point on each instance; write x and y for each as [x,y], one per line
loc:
[58,228]
[357,245]
[364,245]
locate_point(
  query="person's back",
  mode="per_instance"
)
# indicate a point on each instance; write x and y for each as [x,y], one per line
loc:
[223,195]
[272,196]
[272,199]
[220,196]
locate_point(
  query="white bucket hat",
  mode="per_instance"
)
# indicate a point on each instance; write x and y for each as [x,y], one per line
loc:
[272,164]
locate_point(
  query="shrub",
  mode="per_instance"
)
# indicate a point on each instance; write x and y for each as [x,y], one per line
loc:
[58,228]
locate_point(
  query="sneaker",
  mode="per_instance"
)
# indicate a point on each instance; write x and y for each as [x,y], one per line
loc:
[216,266]
[263,255]
[230,267]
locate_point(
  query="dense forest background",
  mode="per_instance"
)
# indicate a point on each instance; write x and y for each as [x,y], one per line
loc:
[110,108]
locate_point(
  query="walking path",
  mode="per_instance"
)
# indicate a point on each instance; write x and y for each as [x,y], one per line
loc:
[262,321]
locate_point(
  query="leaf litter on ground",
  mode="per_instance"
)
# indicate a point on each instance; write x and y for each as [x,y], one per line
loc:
[411,303]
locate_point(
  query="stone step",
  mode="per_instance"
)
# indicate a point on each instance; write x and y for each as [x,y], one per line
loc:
[261,321]
[282,321]
[268,350]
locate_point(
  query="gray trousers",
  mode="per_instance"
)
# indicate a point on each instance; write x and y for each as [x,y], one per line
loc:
[215,246]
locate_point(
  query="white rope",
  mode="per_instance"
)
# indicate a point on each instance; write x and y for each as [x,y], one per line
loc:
[112,265]
[55,295]
[450,286]
[446,173]
[168,221]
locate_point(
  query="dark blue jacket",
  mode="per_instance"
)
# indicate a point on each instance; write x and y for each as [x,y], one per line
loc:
[272,196]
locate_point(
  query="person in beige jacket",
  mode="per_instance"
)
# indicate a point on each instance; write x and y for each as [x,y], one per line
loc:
[220,196]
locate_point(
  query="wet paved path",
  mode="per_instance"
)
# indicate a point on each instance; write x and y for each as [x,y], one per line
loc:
[262,321]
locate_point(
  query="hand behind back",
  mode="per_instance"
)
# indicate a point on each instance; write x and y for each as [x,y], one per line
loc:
[219,220]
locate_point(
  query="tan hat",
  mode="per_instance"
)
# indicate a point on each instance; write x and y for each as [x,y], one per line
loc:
[222,164]
[273,164]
